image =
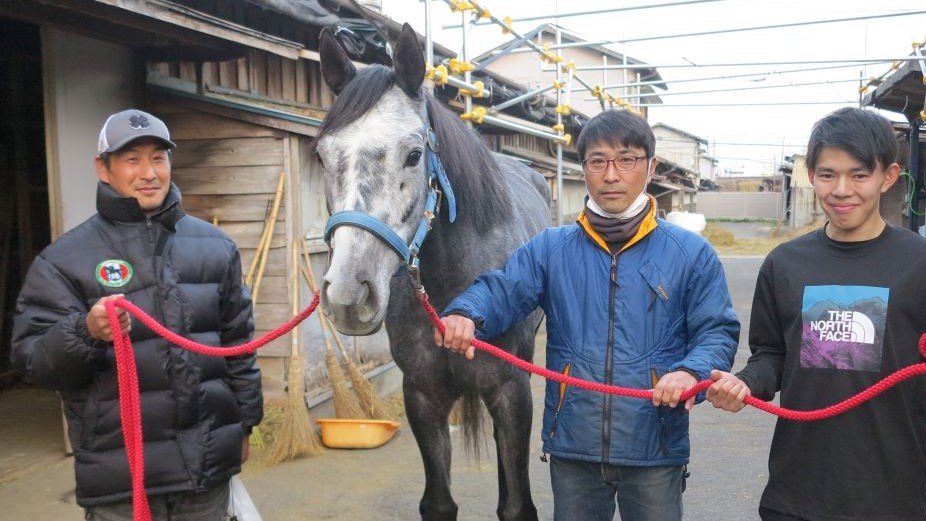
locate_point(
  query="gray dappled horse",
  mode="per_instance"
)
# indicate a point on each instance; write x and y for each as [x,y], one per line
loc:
[373,147]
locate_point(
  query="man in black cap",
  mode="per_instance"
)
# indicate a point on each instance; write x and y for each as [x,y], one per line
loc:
[196,410]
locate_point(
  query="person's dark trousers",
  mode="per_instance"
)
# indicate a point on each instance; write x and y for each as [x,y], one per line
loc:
[210,505]
[593,491]
[771,515]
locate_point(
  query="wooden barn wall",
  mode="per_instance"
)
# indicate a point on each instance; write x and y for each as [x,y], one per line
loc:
[228,170]
[259,73]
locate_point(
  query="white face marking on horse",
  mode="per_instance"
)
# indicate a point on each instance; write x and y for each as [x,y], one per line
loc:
[370,167]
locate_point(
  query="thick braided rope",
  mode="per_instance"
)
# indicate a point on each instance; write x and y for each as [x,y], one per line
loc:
[789,414]
[130,400]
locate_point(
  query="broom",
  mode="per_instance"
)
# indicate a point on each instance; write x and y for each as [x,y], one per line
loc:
[296,435]
[373,405]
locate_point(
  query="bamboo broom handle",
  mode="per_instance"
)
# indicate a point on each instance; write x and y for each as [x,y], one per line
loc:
[266,250]
[266,233]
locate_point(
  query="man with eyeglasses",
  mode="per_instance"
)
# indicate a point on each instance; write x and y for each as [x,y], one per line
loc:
[630,300]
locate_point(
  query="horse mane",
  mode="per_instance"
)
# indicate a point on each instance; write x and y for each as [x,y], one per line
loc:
[475,176]
[482,198]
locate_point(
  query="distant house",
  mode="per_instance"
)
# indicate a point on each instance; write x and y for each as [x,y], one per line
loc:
[527,68]
[684,149]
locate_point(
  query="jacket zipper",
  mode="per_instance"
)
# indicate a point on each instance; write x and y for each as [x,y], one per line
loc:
[157,267]
[609,363]
[562,399]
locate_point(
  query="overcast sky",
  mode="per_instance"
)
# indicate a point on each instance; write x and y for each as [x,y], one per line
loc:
[752,138]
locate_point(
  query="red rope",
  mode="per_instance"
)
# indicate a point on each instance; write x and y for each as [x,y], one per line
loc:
[129,399]
[130,402]
[789,414]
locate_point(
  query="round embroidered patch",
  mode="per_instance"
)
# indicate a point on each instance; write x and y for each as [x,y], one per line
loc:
[114,273]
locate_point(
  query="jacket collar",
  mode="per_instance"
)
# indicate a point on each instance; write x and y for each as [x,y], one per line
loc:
[649,224]
[114,207]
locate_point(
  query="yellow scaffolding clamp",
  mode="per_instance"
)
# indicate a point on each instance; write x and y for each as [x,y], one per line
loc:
[479,92]
[571,66]
[563,109]
[567,139]
[923,113]
[559,128]
[438,75]
[598,92]
[506,25]
[460,66]
[557,85]
[477,115]
[459,6]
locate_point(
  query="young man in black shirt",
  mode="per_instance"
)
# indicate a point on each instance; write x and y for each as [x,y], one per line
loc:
[834,312]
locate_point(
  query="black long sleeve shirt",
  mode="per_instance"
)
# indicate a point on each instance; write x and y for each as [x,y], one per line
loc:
[830,319]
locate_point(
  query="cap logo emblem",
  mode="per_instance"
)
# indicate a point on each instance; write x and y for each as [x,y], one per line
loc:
[114,273]
[139,122]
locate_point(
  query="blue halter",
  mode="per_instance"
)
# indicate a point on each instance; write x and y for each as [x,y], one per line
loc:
[438,185]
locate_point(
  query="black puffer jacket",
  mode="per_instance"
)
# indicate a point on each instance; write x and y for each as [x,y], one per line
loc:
[196,409]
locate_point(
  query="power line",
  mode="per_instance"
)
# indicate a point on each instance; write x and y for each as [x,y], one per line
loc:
[840,102]
[757,28]
[859,61]
[730,143]
[725,77]
[733,89]
[586,13]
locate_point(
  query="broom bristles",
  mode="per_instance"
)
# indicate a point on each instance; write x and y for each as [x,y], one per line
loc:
[373,405]
[296,435]
[345,403]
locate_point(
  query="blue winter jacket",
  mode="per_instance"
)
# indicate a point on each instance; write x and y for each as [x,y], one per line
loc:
[659,305]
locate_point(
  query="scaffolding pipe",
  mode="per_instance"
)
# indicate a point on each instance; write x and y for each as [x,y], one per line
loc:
[511,125]
[916,175]
[734,89]
[559,144]
[519,99]
[724,77]
[428,42]
[467,76]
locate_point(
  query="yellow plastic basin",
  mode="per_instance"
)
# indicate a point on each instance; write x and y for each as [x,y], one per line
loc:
[356,434]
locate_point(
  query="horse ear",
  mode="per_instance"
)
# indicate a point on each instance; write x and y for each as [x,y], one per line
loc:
[337,69]
[408,62]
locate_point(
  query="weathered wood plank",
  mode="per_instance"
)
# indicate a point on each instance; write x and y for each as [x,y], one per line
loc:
[228,152]
[288,79]
[201,125]
[276,260]
[302,83]
[217,180]
[247,234]
[244,74]
[227,208]
[274,76]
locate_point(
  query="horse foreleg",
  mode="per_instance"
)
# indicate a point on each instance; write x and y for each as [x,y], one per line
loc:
[510,407]
[427,415]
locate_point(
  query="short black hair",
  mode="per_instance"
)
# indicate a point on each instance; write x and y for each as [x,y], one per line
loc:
[617,127]
[863,134]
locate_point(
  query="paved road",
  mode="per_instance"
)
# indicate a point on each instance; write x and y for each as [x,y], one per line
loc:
[728,465]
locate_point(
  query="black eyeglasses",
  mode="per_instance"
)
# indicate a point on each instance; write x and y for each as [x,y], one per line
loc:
[597,165]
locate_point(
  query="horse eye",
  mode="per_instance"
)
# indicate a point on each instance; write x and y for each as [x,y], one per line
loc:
[413,158]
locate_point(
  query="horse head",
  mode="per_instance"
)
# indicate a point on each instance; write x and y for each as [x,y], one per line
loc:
[372,149]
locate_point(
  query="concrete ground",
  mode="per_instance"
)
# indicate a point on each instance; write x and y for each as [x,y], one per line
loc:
[728,464]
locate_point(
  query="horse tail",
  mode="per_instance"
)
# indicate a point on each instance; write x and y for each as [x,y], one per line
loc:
[471,411]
